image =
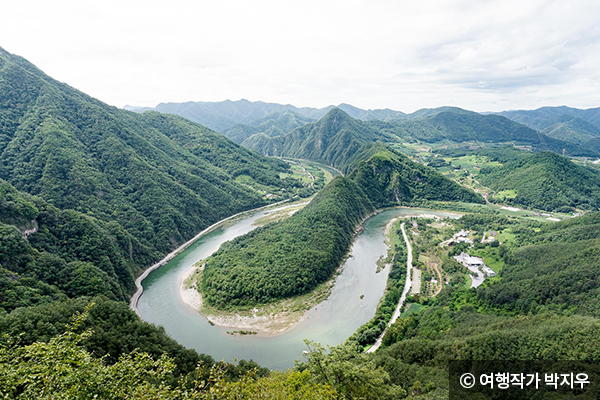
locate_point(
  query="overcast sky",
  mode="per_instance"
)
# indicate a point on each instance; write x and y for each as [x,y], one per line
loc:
[404,55]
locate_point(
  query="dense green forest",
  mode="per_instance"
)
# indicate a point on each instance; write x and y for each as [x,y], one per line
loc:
[554,269]
[459,324]
[272,125]
[332,140]
[64,254]
[114,330]
[293,256]
[337,138]
[290,257]
[542,306]
[558,126]
[391,178]
[160,177]
[573,130]
[91,194]
[545,181]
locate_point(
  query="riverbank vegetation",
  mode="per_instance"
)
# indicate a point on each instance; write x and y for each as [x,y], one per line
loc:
[90,195]
[540,306]
[395,260]
[287,258]
[292,257]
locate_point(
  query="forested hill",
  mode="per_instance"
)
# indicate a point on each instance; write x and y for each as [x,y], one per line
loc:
[390,178]
[160,176]
[332,140]
[135,186]
[573,130]
[273,125]
[291,257]
[555,269]
[457,125]
[545,181]
[48,254]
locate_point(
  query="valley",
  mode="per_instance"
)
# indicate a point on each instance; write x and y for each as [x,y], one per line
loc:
[329,320]
[336,244]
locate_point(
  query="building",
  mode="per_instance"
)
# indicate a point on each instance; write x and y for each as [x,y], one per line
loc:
[469,261]
[474,264]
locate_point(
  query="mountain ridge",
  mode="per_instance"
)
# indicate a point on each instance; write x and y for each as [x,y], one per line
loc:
[222,116]
[113,189]
[545,181]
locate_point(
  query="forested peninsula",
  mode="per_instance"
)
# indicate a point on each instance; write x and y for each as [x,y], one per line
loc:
[293,256]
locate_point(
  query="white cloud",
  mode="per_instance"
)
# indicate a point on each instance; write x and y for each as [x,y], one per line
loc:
[404,55]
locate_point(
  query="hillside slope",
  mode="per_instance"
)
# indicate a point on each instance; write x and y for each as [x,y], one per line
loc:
[291,257]
[545,181]
[90,195]
[161,177]
[273,125]
[390,178]
[47,254]
[573,130]
[456,125]
[332,140]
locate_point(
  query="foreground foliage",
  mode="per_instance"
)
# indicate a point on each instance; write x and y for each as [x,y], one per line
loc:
[62,369]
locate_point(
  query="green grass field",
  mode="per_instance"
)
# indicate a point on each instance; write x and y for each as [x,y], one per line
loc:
[413,308]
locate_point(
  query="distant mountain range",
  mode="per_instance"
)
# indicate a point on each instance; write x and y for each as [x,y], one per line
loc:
[555,129]
[271,126]
[544,117]
[565,123]
[224,115]
[337,136]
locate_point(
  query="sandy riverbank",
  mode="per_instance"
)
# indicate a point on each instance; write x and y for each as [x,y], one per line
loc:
[138,282]
[268,320]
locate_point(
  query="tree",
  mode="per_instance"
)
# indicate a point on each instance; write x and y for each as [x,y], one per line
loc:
[350,372]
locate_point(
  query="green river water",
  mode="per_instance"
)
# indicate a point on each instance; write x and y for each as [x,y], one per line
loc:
[328,323]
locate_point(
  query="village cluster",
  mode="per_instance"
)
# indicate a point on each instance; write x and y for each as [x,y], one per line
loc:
[476,265]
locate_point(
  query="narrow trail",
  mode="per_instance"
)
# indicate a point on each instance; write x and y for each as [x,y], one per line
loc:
[407,286]
[439,274]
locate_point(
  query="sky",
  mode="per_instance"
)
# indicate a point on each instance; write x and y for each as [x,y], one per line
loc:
[405,55]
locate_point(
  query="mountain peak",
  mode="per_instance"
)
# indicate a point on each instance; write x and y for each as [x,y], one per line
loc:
[336,112]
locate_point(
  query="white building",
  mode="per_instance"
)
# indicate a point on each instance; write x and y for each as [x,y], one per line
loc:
[469,261]
[476,266]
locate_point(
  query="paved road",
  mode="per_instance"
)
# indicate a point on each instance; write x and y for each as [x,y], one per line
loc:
[407,286]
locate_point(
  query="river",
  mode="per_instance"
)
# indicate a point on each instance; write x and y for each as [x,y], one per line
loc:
[328,323]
